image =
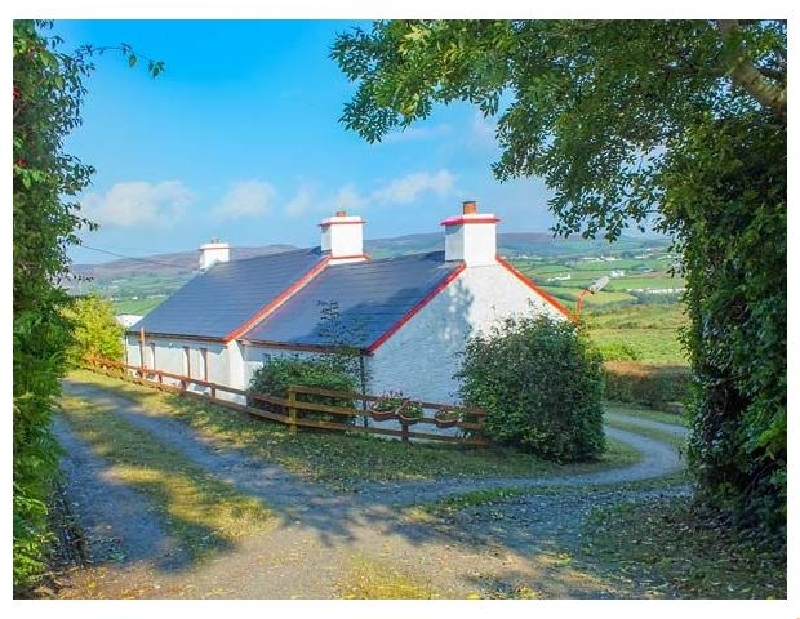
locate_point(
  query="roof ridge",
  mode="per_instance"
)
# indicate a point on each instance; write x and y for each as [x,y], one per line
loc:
[310,250]
[416,255]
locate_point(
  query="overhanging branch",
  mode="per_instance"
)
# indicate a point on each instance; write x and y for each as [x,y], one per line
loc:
[746,75]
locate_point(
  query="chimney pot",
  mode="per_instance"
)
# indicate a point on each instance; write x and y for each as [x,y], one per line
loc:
[469,207]
[341,213]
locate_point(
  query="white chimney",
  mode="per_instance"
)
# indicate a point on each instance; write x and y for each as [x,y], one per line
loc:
[471,237]
[343,238]
[213,252]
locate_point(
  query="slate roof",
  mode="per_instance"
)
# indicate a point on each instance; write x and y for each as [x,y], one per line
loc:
[225,297]
[371,297]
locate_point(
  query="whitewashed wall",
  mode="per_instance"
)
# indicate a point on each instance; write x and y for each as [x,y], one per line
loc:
[170,357]
[421,358]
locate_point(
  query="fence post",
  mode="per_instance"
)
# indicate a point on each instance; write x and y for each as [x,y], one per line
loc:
[404,430]
[292,411]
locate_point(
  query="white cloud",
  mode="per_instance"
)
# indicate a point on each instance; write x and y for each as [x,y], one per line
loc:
[300,204]
[408,188]
[245,199]
[139,203]
[348,198]
[417,133]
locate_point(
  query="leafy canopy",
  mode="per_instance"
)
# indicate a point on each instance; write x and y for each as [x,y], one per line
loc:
[680,124]
[590,106]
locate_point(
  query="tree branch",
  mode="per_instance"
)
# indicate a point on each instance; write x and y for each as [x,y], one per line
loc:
[746,75]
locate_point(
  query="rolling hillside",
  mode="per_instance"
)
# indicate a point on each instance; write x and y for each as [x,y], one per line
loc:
[137,285]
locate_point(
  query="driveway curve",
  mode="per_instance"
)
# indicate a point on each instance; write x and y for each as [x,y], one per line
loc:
[321,531]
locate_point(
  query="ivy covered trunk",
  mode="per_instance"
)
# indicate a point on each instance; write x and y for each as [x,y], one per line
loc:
[47,95]
[735,250]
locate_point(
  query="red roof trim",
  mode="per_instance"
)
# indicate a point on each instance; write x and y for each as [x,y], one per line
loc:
[414,310]
[547,297]
[452,221]
[280,300]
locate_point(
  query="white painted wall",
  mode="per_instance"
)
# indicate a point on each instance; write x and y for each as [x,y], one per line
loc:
[171,357]
[421,358]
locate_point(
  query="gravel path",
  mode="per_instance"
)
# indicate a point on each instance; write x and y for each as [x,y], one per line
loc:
[322,533]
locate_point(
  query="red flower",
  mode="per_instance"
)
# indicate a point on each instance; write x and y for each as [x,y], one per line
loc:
[16,93]
[22,162]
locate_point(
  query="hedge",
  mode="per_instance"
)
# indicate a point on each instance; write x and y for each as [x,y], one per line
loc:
[646,384]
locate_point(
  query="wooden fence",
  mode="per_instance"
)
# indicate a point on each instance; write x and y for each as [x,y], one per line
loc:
[297,411]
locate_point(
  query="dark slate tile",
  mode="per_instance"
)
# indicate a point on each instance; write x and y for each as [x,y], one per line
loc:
[371,297]
[216,302]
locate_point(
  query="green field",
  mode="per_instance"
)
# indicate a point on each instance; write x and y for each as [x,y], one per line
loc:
[138,307]
[652,331]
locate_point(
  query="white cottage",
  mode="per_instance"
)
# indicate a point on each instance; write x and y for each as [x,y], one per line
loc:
[409,316]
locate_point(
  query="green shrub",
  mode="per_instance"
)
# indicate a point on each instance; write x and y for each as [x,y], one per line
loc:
[644,384]
[540,382]
[279,373]
[617,351]
[95,331]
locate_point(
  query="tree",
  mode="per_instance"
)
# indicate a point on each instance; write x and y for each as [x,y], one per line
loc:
[48,92]
[623,119]
[95,331]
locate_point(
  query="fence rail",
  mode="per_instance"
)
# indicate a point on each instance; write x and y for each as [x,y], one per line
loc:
[297,411]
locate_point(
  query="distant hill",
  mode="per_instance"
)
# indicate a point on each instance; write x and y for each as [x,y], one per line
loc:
[160,274]
[165,264]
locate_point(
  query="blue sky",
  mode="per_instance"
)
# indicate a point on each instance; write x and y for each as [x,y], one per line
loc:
[239,139]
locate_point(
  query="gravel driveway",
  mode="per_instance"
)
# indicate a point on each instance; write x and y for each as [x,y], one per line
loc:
[321,533]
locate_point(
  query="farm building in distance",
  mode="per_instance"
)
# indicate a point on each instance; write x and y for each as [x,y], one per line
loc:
[409,316]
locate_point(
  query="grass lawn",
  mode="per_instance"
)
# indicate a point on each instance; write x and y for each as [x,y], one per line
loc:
[678,442]
[345,461]
[205,514]
[646,413]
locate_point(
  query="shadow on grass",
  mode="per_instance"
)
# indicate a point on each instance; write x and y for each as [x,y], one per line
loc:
[232,449]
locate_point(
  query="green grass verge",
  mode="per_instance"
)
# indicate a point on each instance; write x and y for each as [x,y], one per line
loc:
[647,413]
[664,544]
[204,513]
[678,442]
[345,461]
